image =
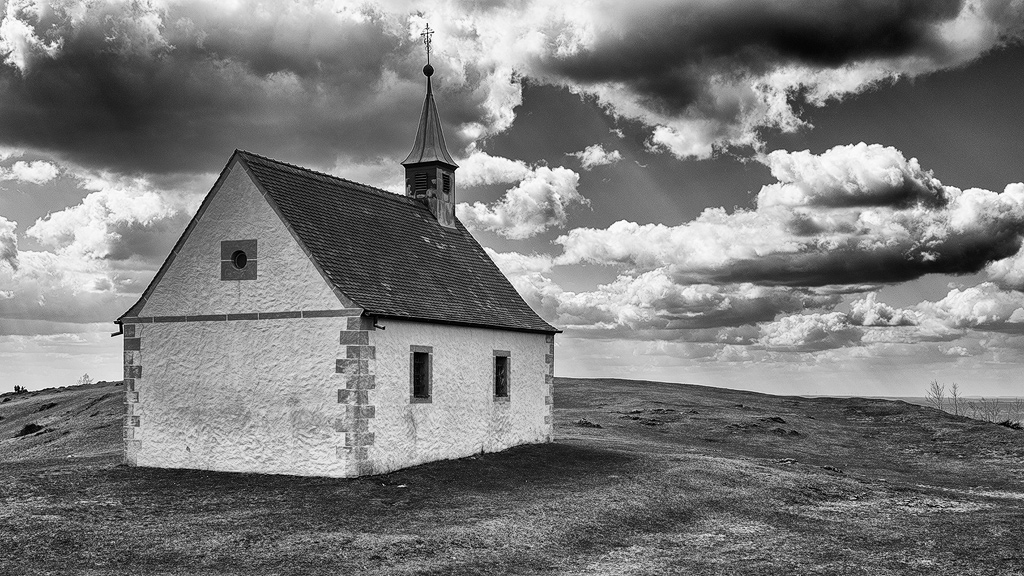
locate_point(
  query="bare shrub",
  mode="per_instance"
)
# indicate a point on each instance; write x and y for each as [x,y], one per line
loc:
[1016,410]
[85,380]
[989,409]
[936,395]
[956,401]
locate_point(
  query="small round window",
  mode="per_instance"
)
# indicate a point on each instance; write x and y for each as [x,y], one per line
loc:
[239,259]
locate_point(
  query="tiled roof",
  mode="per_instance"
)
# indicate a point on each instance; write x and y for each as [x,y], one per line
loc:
[388,253]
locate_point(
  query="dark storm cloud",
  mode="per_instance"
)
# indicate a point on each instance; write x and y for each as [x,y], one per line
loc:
[666,52]
[141,87]
[136,89]
[837,218]
[850,264]
[732,307]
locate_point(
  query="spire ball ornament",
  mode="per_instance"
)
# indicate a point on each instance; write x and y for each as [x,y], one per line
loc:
[428,70]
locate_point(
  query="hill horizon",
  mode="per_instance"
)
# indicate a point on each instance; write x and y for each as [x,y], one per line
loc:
[642,478]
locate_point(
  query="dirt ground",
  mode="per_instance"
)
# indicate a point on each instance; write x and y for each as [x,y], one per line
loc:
[643,478]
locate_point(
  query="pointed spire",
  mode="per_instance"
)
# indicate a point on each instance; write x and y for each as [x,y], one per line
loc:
[429,145]
[429,168]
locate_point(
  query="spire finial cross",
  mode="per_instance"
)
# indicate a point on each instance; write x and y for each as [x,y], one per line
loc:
[426,34]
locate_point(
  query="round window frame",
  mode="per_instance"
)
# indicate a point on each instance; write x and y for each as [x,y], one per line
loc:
[239,255]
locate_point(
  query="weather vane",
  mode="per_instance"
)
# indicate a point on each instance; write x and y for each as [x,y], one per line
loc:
[426,40]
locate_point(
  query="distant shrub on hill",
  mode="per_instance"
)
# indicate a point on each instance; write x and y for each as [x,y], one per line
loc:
[988,409]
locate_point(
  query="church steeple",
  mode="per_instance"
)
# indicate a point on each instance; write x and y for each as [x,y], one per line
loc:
[429,168]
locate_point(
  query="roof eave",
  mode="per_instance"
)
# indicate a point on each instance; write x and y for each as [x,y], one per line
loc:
[421,162]
[550,330]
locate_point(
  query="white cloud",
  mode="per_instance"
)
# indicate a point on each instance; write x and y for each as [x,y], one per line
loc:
[100,253]
[529,276]
[869,312]
[1008,272]
[596,155]
[482,168]
[36,172]
[651,303]
[67,288]
[810,332]
[8,243]
[7,152]
[18,40]
[852,215]
[109,222]
[856,175]
[984,307]
[514,264]
[537,203]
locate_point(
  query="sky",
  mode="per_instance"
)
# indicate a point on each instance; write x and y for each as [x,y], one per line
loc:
[794,197]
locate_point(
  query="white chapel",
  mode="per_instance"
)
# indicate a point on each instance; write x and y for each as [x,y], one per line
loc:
[306,324]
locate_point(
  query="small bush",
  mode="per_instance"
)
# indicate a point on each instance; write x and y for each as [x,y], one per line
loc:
[1011,425]
[27,429]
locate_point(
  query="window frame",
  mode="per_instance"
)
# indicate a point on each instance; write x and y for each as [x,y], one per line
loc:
[507,356]
[428,351]
[229,253]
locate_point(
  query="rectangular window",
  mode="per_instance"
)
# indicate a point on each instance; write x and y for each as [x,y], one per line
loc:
[420,372]
[501,374]
[446,183]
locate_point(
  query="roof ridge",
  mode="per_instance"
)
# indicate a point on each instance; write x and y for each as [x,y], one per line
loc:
[317,173]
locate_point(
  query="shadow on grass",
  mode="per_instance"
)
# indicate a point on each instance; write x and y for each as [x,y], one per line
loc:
[499,479]
[488,472]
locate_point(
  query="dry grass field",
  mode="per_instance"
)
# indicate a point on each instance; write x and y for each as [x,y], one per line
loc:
[644,478]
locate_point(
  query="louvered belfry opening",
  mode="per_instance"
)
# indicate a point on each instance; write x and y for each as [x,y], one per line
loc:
[429,168]
[420,182]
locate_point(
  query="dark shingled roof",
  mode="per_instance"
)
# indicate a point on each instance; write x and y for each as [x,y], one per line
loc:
[388,254]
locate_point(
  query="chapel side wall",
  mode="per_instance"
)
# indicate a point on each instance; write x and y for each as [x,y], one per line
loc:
[463,418]
[237,396]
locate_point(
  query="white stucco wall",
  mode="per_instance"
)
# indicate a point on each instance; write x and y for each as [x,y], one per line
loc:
[462,418]
[241,396]
[286,278]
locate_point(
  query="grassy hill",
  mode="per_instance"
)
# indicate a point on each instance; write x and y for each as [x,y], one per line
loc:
[643,478]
